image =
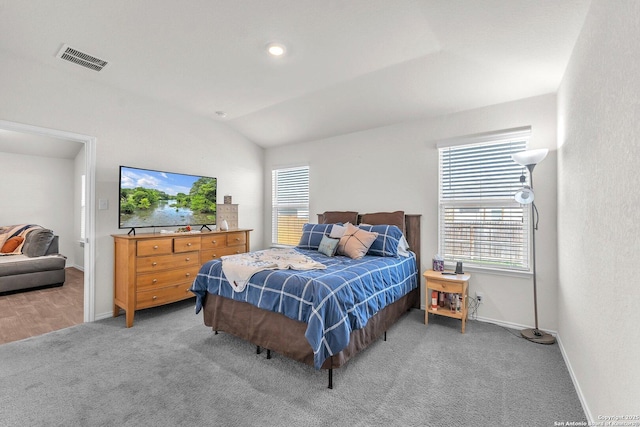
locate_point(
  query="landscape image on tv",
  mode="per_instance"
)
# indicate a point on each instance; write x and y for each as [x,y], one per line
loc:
[150,198]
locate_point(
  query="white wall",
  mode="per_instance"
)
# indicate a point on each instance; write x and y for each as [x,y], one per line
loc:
[598,220]
[396,168]
[134,131]
[39,190]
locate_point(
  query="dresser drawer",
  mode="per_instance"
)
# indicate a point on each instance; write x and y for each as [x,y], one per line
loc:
[154,247]
[161,279]
[186,244]
[443,286]
[162,296]
[227,208]
[214,241]
[165,262]
[208,255]
[234,239]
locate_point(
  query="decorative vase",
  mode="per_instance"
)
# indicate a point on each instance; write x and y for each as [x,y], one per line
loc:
[224,225]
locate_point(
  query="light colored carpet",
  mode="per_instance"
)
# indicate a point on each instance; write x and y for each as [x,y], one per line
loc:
[169,370]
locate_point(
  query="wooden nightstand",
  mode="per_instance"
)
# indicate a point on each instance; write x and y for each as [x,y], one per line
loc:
[457,284]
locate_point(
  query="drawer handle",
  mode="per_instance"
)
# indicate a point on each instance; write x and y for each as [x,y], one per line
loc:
[187,259]
[155,297]
[154,264]
[214,256]
[237,252]
[154,280]
[188,274]
[237,239]
[155,247]
[188,244]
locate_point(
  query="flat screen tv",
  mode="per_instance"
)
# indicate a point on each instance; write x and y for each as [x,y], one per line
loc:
[151,198]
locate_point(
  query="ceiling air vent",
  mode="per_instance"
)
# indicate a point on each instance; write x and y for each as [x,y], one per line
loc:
[73,55]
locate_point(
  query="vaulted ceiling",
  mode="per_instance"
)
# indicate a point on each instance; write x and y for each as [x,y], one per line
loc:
[349,64]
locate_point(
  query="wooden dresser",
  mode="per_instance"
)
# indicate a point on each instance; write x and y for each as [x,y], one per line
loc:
[156,269]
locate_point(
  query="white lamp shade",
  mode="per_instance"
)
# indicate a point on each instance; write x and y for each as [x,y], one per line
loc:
[530,157]
[525,195]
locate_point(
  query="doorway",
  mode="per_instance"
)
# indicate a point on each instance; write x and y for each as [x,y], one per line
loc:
[88,219]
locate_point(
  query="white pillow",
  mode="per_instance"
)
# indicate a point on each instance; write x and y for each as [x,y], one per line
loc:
[403,247]
[337,231]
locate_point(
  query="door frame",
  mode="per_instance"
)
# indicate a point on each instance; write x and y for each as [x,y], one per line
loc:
[89,223]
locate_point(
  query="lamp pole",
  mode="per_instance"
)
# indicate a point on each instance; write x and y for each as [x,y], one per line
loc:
[530,159]
[536,332]
[535,335]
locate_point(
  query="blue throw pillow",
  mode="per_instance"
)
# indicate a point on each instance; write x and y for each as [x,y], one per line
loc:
[312,235]
[386,244]
[328,246]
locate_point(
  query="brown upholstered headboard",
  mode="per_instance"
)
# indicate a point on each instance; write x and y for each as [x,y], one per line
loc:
[332,217]
[409,224]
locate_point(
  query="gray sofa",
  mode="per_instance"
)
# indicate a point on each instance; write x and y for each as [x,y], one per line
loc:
[37,266]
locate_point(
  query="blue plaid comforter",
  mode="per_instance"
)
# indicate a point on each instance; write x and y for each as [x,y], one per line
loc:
[332,302]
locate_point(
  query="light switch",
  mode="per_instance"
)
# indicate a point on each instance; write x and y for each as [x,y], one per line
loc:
[103,204]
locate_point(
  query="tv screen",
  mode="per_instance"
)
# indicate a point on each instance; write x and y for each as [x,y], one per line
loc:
[151,198]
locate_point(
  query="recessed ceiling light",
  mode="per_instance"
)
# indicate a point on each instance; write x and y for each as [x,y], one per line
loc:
[276,49]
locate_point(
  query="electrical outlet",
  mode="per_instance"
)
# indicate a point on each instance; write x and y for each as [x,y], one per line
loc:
[479,297]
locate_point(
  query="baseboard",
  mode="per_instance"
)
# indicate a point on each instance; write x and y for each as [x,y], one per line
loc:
[510,325]
[102,316]
[576,385]
[77,267]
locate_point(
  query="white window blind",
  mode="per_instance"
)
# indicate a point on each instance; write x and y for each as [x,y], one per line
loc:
[290,203]
[480,222]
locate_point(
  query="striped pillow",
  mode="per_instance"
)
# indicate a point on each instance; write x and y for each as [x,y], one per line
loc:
[386,244]
[312,235]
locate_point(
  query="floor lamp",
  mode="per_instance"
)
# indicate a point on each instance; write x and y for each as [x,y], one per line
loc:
[525,196]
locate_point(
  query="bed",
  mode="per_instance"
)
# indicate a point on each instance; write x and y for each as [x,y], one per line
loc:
[320,317]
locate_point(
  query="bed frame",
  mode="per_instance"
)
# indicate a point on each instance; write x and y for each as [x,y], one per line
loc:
[285,336]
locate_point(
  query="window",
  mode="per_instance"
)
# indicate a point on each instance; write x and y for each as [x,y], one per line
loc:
[480,222]
[290,204]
